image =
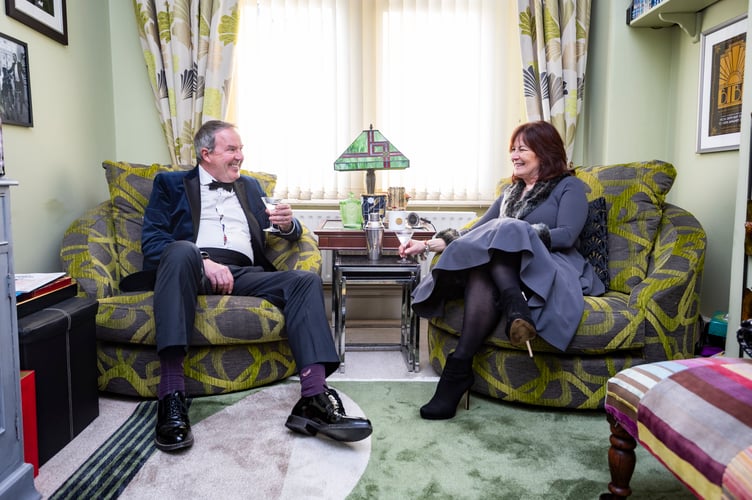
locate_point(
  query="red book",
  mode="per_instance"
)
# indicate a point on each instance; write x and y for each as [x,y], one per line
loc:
[45,289]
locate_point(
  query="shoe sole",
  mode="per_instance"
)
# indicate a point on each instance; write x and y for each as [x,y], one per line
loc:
[310,428]
[174,446]
[521,331]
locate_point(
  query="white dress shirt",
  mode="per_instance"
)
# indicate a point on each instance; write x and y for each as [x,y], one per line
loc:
[223,223]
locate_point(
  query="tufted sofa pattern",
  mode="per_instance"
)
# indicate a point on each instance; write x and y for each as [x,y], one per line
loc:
[238,342]
[650,312]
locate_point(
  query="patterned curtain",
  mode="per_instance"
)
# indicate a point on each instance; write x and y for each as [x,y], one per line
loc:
[188,47]
[554,40]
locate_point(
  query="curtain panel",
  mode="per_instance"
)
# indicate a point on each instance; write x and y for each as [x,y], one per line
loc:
[432,77]
[554,43]
[188,47]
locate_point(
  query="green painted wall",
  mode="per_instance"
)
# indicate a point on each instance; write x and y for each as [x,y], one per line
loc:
[138,135]
[56,161]
[91,101]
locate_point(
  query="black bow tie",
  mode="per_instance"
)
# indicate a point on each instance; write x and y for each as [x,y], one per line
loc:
[227,186]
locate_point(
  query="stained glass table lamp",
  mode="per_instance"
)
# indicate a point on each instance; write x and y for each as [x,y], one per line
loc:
[371,151]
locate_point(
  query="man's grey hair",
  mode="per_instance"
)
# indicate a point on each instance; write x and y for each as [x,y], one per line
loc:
[205,136]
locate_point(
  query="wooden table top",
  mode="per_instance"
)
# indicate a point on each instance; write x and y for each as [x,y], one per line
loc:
[333,236]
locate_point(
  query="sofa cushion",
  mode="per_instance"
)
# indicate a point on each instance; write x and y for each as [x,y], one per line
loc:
[635,195]
[130,186]
[220,320]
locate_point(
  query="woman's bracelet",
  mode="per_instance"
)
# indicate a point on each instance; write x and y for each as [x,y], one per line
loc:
[426,249]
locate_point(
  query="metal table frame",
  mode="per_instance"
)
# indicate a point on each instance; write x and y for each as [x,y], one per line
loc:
[386,270]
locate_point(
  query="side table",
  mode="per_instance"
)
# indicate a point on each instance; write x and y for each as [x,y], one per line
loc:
[350,264]
[384,271]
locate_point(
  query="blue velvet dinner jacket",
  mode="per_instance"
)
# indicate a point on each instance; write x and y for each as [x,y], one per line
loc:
[174,211]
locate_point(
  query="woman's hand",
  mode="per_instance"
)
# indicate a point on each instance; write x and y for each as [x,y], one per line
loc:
[412,247]
[416,247]
[219,276]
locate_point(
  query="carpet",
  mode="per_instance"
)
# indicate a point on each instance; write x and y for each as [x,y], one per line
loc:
[242,450]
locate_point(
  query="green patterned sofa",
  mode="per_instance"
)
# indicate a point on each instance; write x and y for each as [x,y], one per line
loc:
[238,342]
[650,313]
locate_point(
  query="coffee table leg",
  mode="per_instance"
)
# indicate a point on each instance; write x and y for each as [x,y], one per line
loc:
[338,311]
[409,327]
[414,324]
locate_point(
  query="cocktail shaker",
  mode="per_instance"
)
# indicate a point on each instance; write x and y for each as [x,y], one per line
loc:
[374,236]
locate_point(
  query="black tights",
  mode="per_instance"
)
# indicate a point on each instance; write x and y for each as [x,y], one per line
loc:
[484,291]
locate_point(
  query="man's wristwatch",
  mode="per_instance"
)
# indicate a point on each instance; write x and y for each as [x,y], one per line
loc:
[204,255]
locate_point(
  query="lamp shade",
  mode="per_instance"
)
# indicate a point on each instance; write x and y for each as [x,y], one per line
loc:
[371,151]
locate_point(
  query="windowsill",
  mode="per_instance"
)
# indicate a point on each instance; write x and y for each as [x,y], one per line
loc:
[413,205]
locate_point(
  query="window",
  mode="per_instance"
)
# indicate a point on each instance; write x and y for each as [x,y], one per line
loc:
[440,80]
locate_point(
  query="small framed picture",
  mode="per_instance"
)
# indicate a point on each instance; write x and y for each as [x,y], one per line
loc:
[48,17]
[721,83]
[15,90]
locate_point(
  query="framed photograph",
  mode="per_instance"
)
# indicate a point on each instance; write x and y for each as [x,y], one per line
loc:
[15,90]
[721,83]
[48,17]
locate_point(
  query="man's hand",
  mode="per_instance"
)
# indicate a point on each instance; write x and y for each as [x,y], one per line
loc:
[281,217]
[219,276]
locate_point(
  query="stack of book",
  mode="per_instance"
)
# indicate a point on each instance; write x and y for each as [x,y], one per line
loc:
[639,7]
[37,291]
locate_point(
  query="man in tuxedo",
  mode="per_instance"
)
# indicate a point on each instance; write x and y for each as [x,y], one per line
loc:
[202,235]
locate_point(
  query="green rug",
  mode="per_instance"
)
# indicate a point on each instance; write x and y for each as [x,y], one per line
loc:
[495,451]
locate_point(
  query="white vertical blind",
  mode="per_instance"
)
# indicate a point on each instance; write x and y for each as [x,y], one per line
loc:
[439,78]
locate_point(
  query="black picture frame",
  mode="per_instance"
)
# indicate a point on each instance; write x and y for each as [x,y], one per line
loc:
[48,17]
[15,87]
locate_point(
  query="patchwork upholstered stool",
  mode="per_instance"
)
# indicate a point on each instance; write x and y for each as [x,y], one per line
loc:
[694,415]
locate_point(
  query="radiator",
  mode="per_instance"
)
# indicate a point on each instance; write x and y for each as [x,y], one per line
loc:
[440,220]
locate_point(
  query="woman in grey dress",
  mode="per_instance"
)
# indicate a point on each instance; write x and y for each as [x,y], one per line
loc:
[517,263]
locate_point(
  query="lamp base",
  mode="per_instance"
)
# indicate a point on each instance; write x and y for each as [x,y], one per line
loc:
[370,181]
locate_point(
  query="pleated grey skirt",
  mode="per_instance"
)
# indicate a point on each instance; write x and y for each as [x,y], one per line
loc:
[555,282]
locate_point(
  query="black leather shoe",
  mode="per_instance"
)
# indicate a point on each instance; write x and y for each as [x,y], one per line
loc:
[324,413]
[173,428]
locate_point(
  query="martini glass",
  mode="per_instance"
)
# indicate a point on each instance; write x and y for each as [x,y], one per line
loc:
[271,203]
[404,235]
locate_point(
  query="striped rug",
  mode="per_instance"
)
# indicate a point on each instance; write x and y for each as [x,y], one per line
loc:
[241,443]
[109,470]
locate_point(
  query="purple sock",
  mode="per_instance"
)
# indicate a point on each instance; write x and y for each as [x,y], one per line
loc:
[172,377]
[312,380]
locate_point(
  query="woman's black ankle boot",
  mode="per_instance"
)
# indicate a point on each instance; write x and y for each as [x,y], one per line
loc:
[456,380]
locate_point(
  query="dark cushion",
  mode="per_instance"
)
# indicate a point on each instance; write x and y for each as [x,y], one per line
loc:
[593,242]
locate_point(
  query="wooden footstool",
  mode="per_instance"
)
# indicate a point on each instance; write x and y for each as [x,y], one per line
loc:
[694,416]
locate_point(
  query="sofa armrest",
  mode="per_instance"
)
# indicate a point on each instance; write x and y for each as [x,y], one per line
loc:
[88,253]
[301,255]
[669,296]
